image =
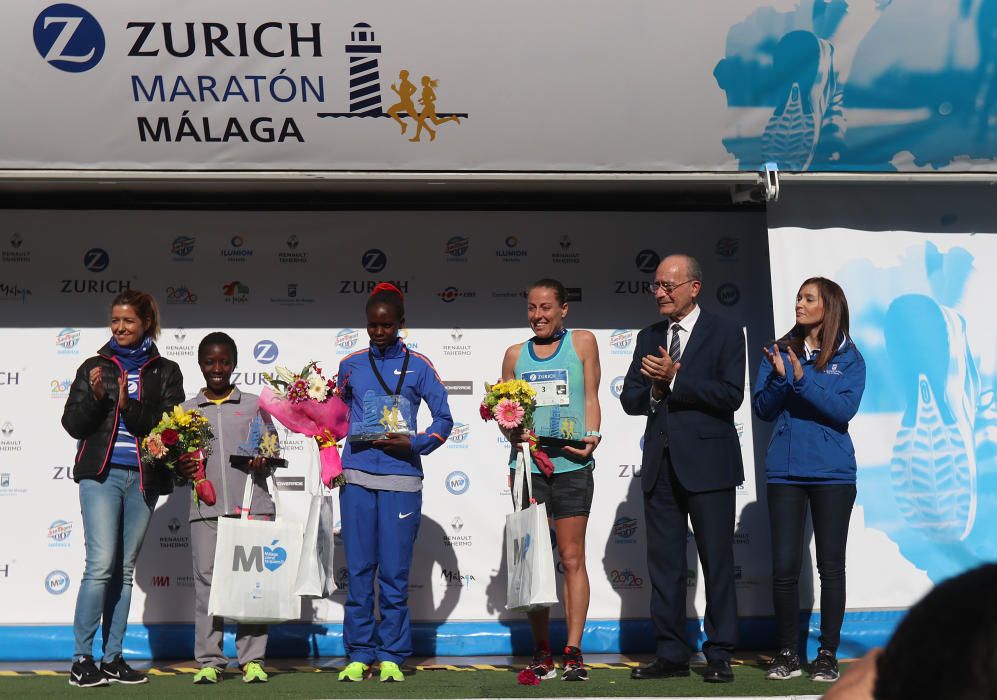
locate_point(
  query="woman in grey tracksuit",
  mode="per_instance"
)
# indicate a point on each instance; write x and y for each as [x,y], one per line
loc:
[238,426]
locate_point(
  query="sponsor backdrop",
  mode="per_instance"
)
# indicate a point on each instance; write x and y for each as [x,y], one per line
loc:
[926,432]
[867,85]
[291,287]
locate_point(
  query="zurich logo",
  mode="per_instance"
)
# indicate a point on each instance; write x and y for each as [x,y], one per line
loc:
[265,352]
[96,260]
[616,386]
[69,38]
[458,483]
[647,261]
[374,260]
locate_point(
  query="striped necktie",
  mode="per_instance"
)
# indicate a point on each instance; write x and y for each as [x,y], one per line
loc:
[674,349]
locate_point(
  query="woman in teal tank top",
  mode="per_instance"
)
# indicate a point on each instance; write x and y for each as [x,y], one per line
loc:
[563,367]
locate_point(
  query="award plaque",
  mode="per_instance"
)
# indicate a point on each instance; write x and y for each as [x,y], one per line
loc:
[558,443]
[261,442]
[383,415]
[563,430]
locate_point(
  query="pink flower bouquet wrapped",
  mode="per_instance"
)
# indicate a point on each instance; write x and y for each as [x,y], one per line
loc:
[309,404]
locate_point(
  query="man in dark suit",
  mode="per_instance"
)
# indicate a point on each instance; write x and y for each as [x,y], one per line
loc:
[687,377]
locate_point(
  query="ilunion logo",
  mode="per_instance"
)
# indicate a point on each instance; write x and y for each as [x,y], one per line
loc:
[69,38]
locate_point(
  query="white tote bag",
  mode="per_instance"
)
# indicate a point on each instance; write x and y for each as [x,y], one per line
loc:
[532,582]
[256,562]
[312,575]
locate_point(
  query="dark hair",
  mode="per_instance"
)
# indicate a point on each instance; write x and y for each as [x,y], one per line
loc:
[952,629]
[833,329]
[218,338]
[560,293]
[389,295]
[145,306]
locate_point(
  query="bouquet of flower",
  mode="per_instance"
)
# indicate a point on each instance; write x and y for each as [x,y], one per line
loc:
[511,404]
[309,404]
[178,433]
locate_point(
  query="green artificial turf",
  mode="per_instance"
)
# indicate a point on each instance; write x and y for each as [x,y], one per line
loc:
[471,683]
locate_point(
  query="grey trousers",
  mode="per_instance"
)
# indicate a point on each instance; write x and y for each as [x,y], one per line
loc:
[250,640]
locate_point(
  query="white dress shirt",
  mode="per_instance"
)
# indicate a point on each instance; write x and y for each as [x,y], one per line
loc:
[685,327]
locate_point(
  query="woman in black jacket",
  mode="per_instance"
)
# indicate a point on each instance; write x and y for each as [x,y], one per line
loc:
[117,397]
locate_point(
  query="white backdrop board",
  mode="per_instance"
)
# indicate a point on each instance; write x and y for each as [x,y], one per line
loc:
[926,432]
[291,287]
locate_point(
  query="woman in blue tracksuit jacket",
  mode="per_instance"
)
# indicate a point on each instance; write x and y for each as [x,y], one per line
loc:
[382,498]
[810,383]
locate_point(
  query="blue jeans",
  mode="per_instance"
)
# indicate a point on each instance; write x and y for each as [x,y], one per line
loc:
[830,509]
[115,516]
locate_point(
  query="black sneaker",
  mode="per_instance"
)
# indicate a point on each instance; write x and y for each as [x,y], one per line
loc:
[120,672]
[543,665]
[85,674]
[784,666]
[825,667]
[574,666]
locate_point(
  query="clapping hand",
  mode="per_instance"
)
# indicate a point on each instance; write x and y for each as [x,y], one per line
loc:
[96,381]
[659,369]
[775,359]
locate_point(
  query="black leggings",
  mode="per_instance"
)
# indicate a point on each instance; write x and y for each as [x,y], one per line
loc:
[830,508]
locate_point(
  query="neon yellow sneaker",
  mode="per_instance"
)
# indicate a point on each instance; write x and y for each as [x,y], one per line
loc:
[354,671]
[390,672]
[253,673]
[207,675]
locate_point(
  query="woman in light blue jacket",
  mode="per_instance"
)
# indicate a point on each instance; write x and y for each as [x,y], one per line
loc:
[810,383]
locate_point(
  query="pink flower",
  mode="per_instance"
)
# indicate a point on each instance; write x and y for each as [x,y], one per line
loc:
[509,414]
[298,391]
[527,677]
[155,447]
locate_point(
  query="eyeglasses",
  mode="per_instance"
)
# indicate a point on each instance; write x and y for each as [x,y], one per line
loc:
[667,287]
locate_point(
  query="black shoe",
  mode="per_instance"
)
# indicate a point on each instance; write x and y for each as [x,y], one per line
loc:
[825,667]
[659,668]
[85,674]
[119,672]
[784,666]
[718,671]
[574,666]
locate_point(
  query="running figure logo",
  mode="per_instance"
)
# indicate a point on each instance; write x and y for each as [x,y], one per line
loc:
[365,91]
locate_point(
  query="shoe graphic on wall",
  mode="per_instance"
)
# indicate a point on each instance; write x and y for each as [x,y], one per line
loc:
[986,432]
[933,468]
[804,64]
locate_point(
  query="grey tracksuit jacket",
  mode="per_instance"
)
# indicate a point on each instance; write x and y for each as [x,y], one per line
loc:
[237,424]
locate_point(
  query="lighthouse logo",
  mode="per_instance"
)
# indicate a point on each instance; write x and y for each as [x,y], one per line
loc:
[413,98]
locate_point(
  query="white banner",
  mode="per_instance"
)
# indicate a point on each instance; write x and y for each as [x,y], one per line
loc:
[563,85]
[926,432]
[290,288]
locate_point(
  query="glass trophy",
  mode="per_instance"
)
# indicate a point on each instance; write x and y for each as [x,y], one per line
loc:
[260,442]
[383,415]
[562,430]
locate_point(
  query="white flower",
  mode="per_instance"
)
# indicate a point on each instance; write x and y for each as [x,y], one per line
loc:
[318,390]
[285,374]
